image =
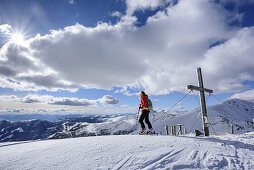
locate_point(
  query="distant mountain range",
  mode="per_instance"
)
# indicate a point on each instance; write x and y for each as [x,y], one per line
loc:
[48,117]
[238,113]
[89,125]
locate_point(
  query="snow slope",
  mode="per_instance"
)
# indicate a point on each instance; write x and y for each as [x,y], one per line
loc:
[238,112]
[131,152]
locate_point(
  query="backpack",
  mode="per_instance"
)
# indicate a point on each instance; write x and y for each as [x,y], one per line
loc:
[149,104]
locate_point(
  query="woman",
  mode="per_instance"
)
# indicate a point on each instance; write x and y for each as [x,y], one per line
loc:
[144,114]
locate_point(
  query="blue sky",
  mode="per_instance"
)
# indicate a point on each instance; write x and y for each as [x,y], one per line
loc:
[82,56]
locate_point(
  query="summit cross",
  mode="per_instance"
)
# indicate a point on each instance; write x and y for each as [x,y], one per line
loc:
[202,91]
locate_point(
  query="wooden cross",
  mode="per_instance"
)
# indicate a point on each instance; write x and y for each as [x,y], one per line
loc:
[202,91]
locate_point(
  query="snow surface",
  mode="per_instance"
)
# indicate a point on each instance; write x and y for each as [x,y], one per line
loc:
[131,152]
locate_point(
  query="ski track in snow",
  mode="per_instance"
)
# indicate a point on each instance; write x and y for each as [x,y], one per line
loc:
[131,152]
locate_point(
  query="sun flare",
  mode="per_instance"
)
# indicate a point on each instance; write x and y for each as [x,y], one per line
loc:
[17,38]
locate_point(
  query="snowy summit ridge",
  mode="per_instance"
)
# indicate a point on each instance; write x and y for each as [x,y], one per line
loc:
[238,113]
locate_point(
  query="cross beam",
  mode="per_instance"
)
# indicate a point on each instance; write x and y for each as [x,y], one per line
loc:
[202,91]
[191,87]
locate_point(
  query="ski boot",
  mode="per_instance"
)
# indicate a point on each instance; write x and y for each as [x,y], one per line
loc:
[150,131]
[142,131]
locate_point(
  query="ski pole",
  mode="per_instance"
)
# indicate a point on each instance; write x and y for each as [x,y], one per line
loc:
[137,117]
[138,111]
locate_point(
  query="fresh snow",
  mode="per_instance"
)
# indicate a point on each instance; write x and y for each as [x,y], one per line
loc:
[131,152]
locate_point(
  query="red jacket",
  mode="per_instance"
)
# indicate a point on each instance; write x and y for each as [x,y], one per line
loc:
[144,102]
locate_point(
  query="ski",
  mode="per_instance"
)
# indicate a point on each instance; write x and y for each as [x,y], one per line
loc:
[148,133]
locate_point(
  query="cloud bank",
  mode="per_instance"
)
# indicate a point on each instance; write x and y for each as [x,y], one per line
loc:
[51,100]
[34,103]
[247,95]
[159,57]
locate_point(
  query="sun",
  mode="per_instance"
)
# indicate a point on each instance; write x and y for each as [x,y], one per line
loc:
[17,38]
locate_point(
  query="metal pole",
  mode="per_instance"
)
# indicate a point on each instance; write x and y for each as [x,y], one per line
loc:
[203,104]
[137,118]
[138,112]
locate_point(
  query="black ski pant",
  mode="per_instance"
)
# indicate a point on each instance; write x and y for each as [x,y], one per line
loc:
[145,115]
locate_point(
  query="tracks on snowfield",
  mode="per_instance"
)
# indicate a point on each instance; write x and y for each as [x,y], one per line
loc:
[203,153]
[132,152]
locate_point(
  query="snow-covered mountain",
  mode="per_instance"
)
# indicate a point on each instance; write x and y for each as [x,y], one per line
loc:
[26,130]
[236,112]
[118,125]
[240,113]
[94,125]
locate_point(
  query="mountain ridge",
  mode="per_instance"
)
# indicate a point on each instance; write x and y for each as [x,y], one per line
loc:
[236,112]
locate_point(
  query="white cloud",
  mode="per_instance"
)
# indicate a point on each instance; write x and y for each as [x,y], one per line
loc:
[41,110]
[124,90]
[127,93]
[136,5]
[108,99]
[180,44]
[5,29]
[231,63]
[71,1]
[22,71]
[116,14]
[74,102]
[31,104]
[247,95]
[9,98]
[160,56]
[47,99]
[67,101]
[92,57]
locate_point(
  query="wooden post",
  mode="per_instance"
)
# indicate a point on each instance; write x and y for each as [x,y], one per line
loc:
[185,131]
[167,132]
[232,129]
[173,129]
[180,132]
[202,91]
[203,104]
